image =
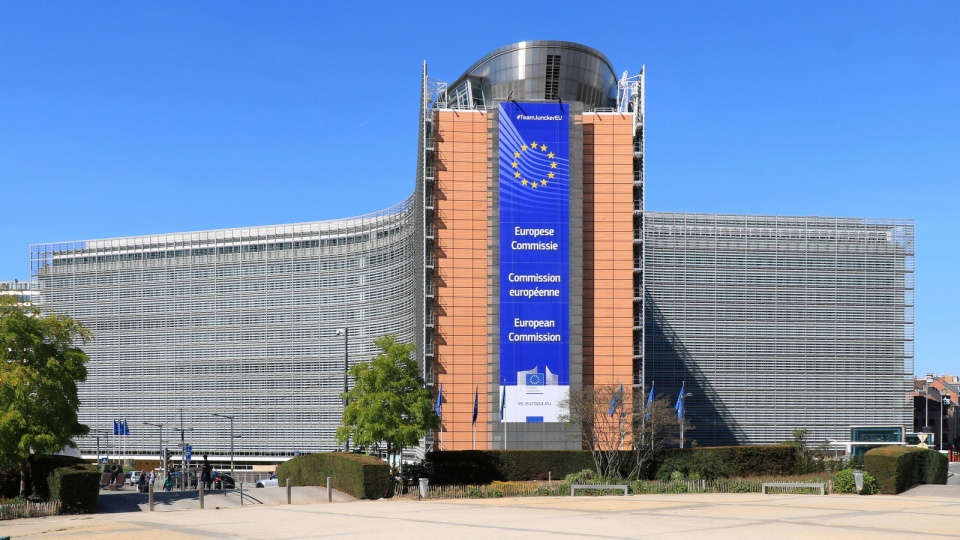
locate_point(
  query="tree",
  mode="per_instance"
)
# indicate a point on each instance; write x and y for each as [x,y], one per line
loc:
[621,443]
[40,366]
[388,402]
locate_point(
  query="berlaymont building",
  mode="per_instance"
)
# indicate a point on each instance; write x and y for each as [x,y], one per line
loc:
[523,264]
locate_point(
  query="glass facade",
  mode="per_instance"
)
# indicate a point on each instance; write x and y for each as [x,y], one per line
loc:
[239,322]
[780,323]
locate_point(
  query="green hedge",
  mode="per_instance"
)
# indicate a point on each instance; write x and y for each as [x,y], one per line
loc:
[898,468]
[76,487]
[362,476]
[726,461]
[40,467]
[485,466]
[934,467]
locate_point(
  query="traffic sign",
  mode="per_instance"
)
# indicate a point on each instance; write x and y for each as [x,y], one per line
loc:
[103,460]
[188,450]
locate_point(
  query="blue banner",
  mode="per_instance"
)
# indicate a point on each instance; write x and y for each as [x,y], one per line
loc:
[534,188]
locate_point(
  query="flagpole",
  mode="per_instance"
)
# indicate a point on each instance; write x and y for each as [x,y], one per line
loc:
[643,419]
[503,419]
[440,414]
[475,415]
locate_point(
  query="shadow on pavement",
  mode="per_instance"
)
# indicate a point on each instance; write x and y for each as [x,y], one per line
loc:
[131,501]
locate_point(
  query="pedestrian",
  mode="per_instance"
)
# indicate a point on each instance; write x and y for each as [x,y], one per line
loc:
[205,473]
[142,482]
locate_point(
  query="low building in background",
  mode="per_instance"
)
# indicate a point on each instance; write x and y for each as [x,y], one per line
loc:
[936,410]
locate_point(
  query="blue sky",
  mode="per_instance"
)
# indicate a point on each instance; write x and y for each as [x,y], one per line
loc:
[130,118]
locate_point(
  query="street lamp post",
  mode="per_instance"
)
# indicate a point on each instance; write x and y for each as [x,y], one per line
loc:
[230,418]
[943,401]
[159,439]
[926,406]
[183,450]
[345,332]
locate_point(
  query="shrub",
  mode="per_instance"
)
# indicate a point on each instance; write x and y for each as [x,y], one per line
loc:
[362,476]
[870,486]
[586,476]
[896,468]
[739,487]
[845,482]
[933,465]
[711,463]
[76,487]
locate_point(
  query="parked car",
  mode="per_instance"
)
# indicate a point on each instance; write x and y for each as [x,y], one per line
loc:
[132,477]
[222,480]
[269,482]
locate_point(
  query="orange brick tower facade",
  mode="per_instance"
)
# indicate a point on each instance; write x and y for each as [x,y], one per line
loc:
[533,253]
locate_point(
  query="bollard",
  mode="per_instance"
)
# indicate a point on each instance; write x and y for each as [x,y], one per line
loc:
[329,490]
[150,497]
[424,482]
[289,489]
[241,493]
[201,495]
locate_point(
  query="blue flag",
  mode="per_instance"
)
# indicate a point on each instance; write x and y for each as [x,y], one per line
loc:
[476,404]
[439,400]
[126,428]
[116,427]
[616,399]
[679,406]
[649,401]
[503,401]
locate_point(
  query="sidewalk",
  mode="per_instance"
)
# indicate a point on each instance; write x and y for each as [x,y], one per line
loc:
[722,516]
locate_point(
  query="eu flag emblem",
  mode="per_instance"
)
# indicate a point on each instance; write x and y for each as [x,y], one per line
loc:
[535,379]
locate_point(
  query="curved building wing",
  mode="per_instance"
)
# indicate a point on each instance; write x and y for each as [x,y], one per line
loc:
[241,322]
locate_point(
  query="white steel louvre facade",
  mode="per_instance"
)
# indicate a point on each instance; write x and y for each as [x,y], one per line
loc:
[781,323]
[240,322]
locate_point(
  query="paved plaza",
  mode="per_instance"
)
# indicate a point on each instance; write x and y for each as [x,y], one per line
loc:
[926,512]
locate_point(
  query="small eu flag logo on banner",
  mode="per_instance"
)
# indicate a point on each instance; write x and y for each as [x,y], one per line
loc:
[535,379]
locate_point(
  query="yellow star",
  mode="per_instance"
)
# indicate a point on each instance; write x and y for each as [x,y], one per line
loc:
[553,165]
[514,164]
[516,174]
[524,148]
[544,147]
[516,154]
[543,182]
[523,182]
[534,185]
[534,145]
[550,155]
[550,174]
